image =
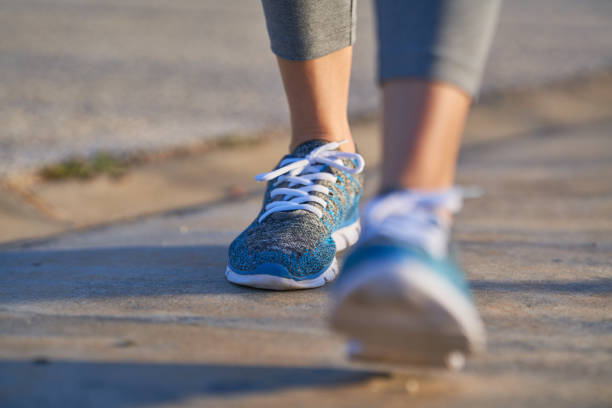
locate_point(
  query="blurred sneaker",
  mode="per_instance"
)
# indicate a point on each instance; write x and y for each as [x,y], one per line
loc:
[401,298]
[310,212]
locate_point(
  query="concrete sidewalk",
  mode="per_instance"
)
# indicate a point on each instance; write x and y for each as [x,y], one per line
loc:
[35,208]
[139,314]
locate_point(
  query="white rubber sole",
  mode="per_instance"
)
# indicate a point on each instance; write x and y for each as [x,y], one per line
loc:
[406,319]
[344,238]
[347,236]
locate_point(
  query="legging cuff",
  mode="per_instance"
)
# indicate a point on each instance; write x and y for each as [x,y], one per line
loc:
[432,67]
[295,50]
[304,29]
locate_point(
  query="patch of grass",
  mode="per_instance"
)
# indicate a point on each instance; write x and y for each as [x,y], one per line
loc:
[235,140]
[86,168]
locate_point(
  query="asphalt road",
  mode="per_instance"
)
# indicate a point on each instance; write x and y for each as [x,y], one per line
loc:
[79,76]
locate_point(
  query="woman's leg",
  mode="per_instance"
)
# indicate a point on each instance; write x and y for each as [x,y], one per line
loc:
[431,58]
[312,41]
[317,92]
[400,296]
[422,126]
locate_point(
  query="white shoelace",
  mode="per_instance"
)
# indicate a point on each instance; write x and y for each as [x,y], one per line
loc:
[413,216]
[301,175]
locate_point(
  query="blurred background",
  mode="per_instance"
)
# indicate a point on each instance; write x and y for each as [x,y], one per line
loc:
[84,76]
[130,132]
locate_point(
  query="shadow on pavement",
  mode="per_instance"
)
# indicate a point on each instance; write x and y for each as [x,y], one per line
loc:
[114,272]
[67,383]
[601,286]
[178,270]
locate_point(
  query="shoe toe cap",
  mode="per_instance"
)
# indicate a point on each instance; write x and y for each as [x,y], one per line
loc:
[277,262]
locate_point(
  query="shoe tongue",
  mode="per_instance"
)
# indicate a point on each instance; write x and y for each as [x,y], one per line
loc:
[307,147]
[411,218]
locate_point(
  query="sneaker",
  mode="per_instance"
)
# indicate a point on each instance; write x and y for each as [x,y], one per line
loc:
[310,211]
[401,298]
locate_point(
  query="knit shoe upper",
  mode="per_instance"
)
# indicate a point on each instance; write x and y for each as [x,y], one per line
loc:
[312,193]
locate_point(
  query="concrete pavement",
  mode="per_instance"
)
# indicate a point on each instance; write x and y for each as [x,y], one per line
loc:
[139,313]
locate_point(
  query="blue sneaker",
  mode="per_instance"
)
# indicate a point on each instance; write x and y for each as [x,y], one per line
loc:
[401,298]
[310,211]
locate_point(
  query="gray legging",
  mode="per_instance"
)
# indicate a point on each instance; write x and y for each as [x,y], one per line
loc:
[440,40]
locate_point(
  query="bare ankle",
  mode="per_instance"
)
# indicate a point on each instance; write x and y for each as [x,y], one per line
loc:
[347,146]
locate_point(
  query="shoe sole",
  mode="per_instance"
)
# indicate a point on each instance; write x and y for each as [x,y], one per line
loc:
[401,319]
[344,238]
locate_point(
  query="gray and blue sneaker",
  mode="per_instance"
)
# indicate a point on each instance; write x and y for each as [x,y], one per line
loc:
[310,211]
[401,298]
